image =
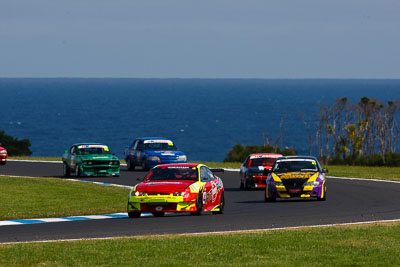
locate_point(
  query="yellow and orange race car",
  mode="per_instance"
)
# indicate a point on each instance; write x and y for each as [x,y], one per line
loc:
[181,187]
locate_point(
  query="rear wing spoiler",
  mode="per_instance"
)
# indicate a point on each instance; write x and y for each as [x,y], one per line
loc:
[216,170]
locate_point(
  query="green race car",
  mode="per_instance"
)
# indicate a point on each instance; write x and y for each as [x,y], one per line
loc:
[90,159]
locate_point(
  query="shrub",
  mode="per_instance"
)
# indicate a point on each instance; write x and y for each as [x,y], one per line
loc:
[239,153]
[14,146]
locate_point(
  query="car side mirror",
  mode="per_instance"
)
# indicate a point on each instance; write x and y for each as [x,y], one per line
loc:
[324,170]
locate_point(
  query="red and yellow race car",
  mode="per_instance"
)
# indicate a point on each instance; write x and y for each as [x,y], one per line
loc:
[3,155]
[181,187]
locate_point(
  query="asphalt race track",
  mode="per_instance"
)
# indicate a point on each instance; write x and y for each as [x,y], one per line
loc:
[347,201]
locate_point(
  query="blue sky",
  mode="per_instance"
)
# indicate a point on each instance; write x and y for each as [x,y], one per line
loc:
[200,39]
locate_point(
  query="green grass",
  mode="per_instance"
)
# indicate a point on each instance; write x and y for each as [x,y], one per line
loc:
[51,197]
[384,173]
[374,245]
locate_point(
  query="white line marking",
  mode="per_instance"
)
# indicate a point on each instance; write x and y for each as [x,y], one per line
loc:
[40,161]
[364,179]
[43,161]
[209,233]
[2,223]
[54,220]
[96,217]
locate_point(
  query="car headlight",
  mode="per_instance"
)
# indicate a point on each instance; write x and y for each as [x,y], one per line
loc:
[312,183]
[177,194]
[182,158]
[138,194]
[114,162]
[87,162]
[154,158]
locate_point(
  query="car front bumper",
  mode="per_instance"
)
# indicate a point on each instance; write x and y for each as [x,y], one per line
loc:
[158,203]
[280,191]
[100,171]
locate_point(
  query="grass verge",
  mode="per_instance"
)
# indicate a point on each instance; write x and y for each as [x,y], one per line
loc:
[384,173]
[27,198]
[328,246]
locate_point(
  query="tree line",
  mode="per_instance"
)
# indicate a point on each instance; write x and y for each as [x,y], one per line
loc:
[14,146]
[362,133]
[342,132]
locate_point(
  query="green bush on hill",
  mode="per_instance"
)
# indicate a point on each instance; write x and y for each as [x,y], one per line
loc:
[14,146]
[239,153]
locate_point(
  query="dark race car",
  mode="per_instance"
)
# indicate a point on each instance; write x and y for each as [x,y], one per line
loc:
[148,152]
[296,177]
[254,170]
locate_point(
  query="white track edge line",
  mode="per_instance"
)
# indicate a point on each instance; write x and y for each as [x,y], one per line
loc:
[208,233]
[43,161]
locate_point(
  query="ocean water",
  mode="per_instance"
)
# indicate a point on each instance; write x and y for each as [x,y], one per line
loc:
[204,117]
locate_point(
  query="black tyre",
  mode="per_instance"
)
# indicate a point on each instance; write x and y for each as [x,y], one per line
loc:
[199,205]
[268,199]
[129,165]
[77,171]
[221,204]
[247,185]
[241,184]
[158,214]
[322,198]
[134,214]
[144,165]
[66,170]
[3,162]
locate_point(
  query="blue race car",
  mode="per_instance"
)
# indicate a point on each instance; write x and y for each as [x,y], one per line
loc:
[148,152]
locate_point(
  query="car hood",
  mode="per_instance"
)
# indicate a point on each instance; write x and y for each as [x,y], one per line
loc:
[296,175]
[164,153]
[2,148]
[99,157]
[164,186]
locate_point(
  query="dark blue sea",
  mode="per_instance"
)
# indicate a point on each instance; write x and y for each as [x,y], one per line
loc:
[204,117]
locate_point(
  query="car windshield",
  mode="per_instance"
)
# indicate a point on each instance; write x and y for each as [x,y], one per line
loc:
[301,165]
[172,173]
[159,146]
[261,162]
[93,150]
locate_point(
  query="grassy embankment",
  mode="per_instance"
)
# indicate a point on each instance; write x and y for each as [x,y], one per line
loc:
[373,245]
[27,198]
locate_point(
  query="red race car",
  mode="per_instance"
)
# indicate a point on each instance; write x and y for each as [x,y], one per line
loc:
[3,155]
[253,171]
[180,187]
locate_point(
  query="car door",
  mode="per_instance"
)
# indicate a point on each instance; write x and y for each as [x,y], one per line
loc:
[243,169]
[71,158]
[132,152]
[207,177]
[139,154]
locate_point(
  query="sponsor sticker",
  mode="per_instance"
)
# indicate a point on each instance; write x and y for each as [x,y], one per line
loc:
[93,146]
[158,141]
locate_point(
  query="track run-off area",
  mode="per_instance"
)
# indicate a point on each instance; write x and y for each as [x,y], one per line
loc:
[348,201]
